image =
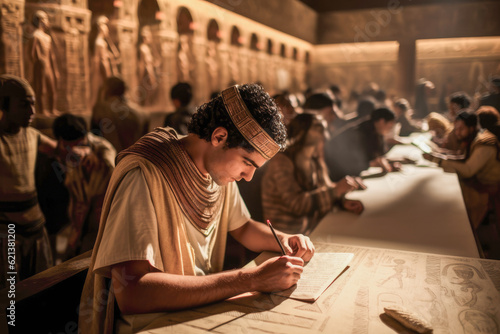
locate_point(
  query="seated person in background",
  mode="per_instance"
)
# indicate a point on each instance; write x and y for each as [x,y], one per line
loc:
[181,95]
[423,90]
[338,96]
[356,147]
[440,128]
[456,143]
[323,104]
[86,177]
[118,120]
[458,102]
[480,172]
[372,134]
[382,99]
[19,207]
[296,190]
[366,106]
[493,97]
[285,106]
[404,125]
[169,206]
[404,122]
[489,119]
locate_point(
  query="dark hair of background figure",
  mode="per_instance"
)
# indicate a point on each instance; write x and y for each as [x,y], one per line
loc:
[69,127]
[462,99]
[213,114]
[366,106]
[297,131]
[468,117]
[383,113]
[489,118]
[183,92]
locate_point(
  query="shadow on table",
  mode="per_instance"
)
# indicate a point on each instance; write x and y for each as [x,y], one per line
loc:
[394,325]
[213,316]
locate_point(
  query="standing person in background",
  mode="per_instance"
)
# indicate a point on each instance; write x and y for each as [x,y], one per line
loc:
[493,97]
[19,208]
[296,190]
[181,95]
[117,119]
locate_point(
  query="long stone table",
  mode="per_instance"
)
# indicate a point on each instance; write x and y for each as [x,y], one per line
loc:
[418,209]
[454,294]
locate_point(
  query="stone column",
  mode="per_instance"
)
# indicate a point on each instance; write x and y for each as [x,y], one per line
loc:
[406,67]
[11,37]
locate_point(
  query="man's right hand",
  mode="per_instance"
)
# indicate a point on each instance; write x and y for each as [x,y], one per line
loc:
[277,273]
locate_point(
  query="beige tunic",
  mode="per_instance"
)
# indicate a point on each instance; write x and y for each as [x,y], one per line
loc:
[132,234]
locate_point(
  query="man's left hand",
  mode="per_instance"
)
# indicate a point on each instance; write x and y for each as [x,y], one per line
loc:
[298,245]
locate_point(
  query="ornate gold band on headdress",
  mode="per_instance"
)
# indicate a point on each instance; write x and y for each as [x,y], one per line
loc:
[247,125]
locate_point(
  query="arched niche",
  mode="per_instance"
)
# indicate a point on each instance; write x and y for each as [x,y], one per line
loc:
[295,54]
[254,43]
[283,50]
[213,32]
[185,24]
[307,58]
[105,8]
[235,36]
[149,13]
[270,47]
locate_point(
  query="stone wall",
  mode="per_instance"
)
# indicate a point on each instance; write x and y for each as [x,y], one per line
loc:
[355,36]
[235,50]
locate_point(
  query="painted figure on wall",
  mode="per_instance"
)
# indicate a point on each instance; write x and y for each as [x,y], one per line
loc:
[105,57]
[147,68]
[212,62]
[185,61]
[45,73]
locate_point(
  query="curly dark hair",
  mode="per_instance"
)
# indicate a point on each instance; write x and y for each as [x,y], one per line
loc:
[213,114]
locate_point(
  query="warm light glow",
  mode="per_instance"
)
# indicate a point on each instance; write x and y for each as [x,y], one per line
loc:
[357,52]
[159,15]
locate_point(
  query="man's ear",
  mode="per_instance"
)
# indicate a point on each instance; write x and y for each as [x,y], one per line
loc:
[219,136]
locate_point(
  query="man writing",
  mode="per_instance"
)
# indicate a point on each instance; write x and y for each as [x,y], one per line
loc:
[169,206]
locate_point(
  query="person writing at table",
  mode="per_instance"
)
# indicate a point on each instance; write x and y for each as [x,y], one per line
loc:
[169,205]
[296,190]
[479,173]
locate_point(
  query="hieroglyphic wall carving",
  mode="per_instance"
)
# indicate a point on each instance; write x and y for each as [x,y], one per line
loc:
[216,61]
[11,17]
